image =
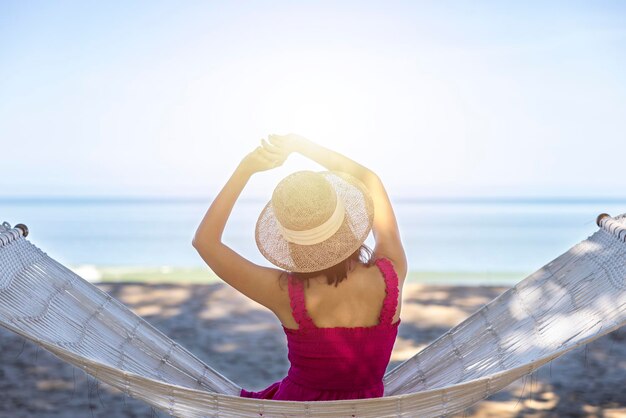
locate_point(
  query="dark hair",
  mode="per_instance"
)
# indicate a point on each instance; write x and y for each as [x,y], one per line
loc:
[337,273]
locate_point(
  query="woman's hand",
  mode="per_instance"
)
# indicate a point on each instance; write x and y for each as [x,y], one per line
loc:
[264,157]
[289,143]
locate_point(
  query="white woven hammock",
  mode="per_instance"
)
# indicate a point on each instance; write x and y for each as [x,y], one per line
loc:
[571,301]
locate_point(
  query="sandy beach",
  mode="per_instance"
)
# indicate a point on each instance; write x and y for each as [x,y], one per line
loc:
[244,341]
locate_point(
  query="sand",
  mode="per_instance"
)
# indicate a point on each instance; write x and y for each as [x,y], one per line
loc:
[244,341]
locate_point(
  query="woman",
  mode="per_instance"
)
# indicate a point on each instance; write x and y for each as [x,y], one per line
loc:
[338,302]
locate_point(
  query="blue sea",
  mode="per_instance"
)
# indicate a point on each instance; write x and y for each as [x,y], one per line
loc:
[447,240]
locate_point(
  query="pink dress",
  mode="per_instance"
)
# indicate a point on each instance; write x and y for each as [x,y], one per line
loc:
[339,362]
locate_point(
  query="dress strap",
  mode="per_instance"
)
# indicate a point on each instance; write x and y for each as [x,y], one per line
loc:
[298,306]
[390,303]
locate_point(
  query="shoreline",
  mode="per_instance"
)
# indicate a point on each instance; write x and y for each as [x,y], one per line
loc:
[203,275]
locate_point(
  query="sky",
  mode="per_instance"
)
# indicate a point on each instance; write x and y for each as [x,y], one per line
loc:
[164,99]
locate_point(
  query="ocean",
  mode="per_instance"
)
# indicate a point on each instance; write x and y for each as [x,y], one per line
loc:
[448,241]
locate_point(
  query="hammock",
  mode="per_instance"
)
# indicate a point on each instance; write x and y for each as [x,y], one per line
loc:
[571,301]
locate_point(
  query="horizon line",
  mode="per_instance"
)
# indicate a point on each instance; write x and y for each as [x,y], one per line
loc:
[399,199]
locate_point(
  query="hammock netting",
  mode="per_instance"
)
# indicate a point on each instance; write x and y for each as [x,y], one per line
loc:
[573,300]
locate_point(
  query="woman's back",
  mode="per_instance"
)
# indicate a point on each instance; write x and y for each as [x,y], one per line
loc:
[355,302]
[342,361]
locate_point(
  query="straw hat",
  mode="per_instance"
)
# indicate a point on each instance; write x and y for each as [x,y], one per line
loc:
[314,220]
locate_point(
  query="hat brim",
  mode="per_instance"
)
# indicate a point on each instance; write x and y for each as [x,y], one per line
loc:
[356,226]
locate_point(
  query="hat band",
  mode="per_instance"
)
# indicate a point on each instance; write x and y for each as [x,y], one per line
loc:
[319,233]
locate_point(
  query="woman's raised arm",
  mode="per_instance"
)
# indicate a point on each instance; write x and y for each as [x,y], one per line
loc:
[385,226]
[259,283]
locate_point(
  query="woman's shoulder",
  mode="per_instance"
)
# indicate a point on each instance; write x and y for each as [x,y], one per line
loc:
[388,263]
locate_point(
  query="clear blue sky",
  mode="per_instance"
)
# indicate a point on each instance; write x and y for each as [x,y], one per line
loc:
[478,98]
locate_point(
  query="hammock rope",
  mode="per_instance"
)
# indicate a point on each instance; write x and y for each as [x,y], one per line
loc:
[571,301]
